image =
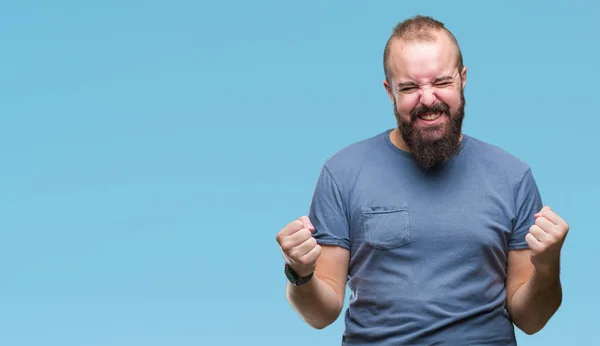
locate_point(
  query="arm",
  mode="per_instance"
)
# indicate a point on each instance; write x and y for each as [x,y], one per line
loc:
[319,302]
[534,291]
[532,297]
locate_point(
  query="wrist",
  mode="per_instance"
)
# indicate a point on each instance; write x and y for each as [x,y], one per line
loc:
[297,278]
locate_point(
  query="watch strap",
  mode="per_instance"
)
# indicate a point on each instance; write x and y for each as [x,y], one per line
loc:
[294,278]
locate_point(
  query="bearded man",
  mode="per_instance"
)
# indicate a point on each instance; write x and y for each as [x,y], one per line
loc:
[441,238]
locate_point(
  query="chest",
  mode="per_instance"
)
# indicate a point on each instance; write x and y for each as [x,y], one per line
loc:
[463,216]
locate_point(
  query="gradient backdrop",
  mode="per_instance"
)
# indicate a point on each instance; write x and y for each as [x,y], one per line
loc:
[150,152]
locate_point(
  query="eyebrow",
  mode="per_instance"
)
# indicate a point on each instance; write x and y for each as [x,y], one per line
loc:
[405,84]
[443,79]
[437,80]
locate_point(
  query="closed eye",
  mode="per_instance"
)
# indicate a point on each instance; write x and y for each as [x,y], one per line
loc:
[408,89]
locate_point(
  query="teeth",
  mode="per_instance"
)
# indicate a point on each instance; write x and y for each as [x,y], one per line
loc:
[431,116]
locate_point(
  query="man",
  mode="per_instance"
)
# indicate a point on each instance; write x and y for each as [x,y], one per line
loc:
[441,238]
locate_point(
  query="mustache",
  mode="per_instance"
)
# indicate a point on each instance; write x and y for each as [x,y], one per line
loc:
[422,109]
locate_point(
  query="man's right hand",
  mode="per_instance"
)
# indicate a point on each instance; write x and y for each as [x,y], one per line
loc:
[300,250]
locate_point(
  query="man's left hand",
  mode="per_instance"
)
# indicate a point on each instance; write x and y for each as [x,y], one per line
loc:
[545,239]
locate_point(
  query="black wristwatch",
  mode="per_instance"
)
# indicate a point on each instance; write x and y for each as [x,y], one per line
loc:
[294,278]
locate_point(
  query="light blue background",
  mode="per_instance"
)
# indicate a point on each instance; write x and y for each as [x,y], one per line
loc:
[150,152]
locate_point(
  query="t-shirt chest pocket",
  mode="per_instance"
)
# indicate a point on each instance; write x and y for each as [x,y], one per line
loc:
[386,226]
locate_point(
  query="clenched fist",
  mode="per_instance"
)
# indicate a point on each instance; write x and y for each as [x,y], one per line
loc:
[545,239]
[298,246]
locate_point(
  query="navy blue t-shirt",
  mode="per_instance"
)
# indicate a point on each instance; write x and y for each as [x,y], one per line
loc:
[428,251]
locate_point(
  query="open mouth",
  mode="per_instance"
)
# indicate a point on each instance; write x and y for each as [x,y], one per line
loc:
[430,116]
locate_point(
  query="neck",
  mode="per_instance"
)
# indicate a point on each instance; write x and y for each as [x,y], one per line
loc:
[398,141]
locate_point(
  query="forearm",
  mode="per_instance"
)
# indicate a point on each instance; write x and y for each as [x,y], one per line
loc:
[534,303]
[316,302]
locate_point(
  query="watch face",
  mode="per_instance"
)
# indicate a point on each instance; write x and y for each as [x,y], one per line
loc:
[289,275]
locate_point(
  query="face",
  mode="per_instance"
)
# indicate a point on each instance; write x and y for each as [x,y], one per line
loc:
[427,91]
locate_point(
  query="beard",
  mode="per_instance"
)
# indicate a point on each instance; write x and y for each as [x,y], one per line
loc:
[428,149]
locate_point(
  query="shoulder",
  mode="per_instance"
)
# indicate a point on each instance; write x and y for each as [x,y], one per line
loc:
[344,166]
[354,155]
[495,159]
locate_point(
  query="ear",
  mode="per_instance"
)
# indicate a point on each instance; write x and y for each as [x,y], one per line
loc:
[463,76]
[389,90]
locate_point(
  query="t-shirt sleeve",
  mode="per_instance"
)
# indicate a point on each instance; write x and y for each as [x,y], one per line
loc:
[328,212]
[528,202]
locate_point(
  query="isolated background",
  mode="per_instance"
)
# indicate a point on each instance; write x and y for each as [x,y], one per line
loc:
[150,151]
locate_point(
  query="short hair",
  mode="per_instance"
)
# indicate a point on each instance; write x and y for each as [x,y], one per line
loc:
[418,28]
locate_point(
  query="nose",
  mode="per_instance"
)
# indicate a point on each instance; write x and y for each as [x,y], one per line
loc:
[427,96]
